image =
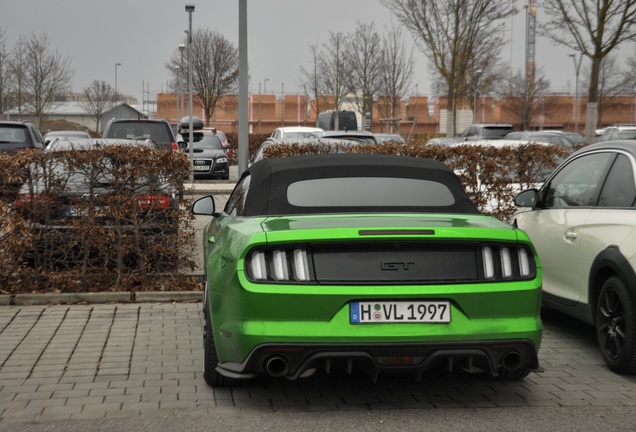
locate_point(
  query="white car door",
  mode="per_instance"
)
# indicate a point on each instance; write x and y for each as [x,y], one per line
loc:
[557,227]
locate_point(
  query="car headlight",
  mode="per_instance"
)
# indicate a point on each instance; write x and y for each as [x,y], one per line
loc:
[221,160]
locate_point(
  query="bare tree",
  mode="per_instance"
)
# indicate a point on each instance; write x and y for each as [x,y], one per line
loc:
[611,83]
[16,84]
[363,49]
[629,83]
[47,75]
[100,98]
[214,69]
[396,74]
[333,68]
[450,33]
[526,100]
[594,28]
[311,80]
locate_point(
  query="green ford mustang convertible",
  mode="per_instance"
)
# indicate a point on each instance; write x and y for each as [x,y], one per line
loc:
[369,263]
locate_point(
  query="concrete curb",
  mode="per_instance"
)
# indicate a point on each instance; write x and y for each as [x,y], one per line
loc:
[168,296]
[70,298]
[101,298]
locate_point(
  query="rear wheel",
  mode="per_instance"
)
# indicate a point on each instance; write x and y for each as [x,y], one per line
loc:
[616,326]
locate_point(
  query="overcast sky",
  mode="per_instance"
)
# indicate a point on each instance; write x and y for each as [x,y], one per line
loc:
[142,35]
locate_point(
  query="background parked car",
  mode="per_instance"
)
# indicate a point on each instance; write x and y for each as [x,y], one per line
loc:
[209,158]
[583,225]
[476,132]
[545,137]
[158,131]
[68,134]
[347,120]
[613,133]
[18,136]
[576,138]
[296,132]
[389,137]
[79,205]
[365,137]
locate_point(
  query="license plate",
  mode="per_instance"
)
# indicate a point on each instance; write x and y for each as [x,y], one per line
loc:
[400,312]
[202,168]
[80,212]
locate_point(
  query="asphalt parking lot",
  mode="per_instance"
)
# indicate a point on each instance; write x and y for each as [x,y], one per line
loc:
[65,362]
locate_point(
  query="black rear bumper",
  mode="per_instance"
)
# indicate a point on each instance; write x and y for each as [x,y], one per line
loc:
[296,360]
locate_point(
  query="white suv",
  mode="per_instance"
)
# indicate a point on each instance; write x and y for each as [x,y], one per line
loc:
[583,224]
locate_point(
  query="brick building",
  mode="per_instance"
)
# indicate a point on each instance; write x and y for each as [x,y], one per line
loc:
[416,115]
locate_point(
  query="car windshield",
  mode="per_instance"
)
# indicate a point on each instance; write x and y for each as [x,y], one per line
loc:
[203,141]
[13,134]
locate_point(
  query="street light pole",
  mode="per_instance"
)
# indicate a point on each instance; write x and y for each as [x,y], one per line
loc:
[189,9]
[577,68]
[182,48]
[177,71]
[116,65]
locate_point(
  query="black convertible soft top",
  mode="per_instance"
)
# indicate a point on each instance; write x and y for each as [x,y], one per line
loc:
[307,184]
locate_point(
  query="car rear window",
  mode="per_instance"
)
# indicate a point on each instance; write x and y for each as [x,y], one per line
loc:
[13,134]
[364,192]
[497,131]
[140,131]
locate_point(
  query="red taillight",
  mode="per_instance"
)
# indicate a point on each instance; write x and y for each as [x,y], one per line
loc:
[175,146]
[153,202]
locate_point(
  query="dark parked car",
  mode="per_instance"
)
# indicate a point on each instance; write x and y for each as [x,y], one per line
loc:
[19,136]
[373,263]
[209,159]
[159,131]
[67,191]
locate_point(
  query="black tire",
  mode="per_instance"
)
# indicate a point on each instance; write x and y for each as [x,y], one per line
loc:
[210,360]
[616,326]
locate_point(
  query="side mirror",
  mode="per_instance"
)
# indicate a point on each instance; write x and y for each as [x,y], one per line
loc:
[183,145]
[527,198]
[204,206]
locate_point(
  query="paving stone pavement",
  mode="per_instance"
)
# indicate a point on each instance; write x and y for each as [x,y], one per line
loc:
[94,361]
